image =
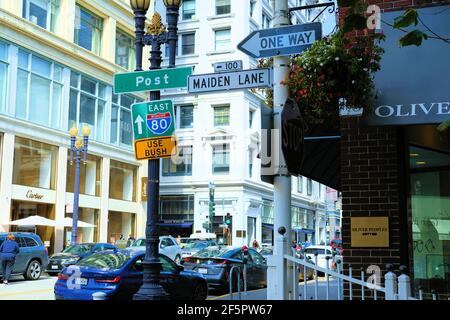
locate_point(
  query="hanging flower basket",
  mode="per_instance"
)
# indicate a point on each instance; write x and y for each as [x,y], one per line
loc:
[334,73]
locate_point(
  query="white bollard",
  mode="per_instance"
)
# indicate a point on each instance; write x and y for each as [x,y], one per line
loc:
[404,287]
[99,296]
[390,283]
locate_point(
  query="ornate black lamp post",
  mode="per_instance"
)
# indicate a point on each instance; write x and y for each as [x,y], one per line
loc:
[78,147]
[156,36]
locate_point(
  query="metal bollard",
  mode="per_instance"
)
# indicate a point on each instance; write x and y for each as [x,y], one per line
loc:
[99,296]
[238,283]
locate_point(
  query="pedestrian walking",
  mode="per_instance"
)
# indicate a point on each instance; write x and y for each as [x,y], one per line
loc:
[8,251]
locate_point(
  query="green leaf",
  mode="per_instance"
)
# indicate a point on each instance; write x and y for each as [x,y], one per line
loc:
[414,37]
[444,126]
[408,18]
[354,21]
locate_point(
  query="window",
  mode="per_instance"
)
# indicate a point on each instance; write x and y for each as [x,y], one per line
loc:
[250,162]
[177,208]
[125,50]
[121,124]
[90,175]
[300,184]
[180,165]
[3,75]
[188,43]
[252,7]
[87,104]
[309,187]
[251,116]
[265,23]
[34,164]
[222,116]
[221,159]
[186,117]
[44,13]
[88,30]
[223,40]
[188,9]
[39,90]
[223,6]
[30,242]
[122,181]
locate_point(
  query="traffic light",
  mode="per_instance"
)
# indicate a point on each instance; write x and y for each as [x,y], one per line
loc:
[228,219]
[212,209]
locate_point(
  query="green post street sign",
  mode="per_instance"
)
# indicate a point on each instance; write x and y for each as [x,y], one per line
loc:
[153,119]
[151,80]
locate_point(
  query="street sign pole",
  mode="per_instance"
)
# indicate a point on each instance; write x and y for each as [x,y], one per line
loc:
[282,180]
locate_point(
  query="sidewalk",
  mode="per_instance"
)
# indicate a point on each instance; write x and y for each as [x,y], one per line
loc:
[261,294]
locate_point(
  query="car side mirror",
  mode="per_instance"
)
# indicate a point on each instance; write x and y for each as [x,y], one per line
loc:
[180,268]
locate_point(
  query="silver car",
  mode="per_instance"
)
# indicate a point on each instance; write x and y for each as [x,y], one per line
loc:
[168,246]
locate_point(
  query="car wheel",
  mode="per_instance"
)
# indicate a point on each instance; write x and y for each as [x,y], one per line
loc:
[200,292]
[177,259]
[34,270]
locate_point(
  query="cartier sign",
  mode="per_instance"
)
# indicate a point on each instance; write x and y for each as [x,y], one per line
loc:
[34,195]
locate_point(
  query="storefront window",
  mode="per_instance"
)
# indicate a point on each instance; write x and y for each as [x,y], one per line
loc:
[177,208]
[429,166]
[87,104]
[3,74]
[24,209]
[121,125]
[39,90]
[122,181]
[90,175]
[121,225]
[85,234]
[34,164]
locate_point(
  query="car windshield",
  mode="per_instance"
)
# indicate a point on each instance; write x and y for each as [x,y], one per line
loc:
[78,248]
[139,243]
[213,252]
[106,261]
[196,245]
[315,250]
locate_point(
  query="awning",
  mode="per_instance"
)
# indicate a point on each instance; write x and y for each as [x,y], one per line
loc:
[322,155]
[177,225]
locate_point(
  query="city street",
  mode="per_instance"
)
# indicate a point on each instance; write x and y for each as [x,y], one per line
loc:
[18,289]
[42,289]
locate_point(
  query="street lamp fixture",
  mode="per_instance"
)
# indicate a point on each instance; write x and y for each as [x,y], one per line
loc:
[156,36]
[78,146]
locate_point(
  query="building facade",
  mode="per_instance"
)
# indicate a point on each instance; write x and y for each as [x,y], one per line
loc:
[57,61]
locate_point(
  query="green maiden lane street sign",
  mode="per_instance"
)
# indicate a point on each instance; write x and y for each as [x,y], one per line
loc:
[152,80]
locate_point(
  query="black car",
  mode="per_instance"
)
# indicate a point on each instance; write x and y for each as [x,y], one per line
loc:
[215,264]
[72,254]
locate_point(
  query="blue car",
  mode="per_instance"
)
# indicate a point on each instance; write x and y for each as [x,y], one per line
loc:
[74,253]
[32,257]
[119,275]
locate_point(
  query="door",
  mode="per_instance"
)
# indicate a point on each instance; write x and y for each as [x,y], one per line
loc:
[132,281]
[20,265]
[259,268]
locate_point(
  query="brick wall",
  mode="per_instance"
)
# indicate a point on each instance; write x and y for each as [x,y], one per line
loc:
[371,179]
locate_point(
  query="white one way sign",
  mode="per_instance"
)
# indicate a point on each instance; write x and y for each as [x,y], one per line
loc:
[281,41]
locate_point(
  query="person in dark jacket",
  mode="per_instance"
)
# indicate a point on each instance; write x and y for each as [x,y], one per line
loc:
[8,251]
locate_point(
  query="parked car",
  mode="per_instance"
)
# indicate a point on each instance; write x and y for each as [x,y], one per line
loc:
[119,275]
[168,246]
[215,264]
[72,254]
[195,246]
[322,253]
[32,255]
